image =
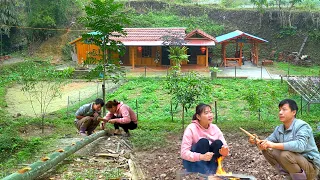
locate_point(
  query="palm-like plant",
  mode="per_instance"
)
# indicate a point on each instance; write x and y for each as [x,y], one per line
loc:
[177,55]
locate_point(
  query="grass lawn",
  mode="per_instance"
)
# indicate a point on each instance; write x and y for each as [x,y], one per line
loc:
[284,68]
[239,102]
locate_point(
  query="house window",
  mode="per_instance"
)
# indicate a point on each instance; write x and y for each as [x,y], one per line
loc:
[146,51]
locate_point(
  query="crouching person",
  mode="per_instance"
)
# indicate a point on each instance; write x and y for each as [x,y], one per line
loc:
[120,115]
[87,117]
[203,143]
[291,148]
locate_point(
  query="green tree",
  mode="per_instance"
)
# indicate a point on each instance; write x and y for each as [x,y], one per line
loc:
[187,89]
[107,18]
[8,17]
[48,14]
[261,5]
[177,52]
[41,83]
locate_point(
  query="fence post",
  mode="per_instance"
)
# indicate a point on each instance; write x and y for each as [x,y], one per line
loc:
[137,109]
[216,111]
[97,89]
[171,112]
[68,106]
[145,71]
[235,71]
[301,106]
[261,71]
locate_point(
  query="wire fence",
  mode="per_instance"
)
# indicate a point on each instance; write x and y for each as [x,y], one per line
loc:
[76,100]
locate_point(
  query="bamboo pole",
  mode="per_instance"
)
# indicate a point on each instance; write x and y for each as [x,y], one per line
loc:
[249,134]
[44,164]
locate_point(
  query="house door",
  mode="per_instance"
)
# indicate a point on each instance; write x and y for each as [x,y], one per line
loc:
[165,55]
[193,52]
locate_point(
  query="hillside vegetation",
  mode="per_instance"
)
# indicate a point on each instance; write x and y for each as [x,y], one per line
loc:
[214,17]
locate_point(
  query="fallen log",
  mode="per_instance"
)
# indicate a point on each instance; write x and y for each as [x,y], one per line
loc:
[43,165]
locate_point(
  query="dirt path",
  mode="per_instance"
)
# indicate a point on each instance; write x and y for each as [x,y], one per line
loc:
[164,163]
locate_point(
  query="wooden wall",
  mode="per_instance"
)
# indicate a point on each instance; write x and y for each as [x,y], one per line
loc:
[132,54]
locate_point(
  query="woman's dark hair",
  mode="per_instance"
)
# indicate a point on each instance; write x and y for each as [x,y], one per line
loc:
[99,101]
[200,109]
[109,104]
[292,104]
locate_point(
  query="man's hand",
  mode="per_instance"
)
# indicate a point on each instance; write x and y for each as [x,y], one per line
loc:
[254,140]
[224,151]
[207,156]
[100,119]
[112,121]
[266,144]
[102,125]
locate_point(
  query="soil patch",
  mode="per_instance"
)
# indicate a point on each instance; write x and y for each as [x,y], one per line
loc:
[165,163]
[35,131]
[88,164]
[161,163]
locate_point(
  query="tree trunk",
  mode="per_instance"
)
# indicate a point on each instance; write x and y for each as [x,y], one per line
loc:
[183,117]
[260,20]
[104,77]
[42,122]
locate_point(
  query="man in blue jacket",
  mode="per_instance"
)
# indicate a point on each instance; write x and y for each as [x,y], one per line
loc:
[87,117]
[291,148]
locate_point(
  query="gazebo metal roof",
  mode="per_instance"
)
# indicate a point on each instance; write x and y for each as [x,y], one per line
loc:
[237,35]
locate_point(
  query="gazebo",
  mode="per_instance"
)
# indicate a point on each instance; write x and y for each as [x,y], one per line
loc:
[239,38]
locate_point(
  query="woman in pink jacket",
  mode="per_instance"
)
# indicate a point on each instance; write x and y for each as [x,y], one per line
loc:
[203,143]
[121,115]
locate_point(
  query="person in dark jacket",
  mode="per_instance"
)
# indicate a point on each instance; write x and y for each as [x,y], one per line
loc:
[87,117]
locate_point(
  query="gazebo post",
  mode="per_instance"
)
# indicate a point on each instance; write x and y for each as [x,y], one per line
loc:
[240,53]
[257,53]
[132,56]
[224,54]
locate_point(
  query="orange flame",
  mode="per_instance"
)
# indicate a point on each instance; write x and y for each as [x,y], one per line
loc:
[220,170]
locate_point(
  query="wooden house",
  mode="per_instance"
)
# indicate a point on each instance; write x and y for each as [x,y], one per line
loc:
[145,47]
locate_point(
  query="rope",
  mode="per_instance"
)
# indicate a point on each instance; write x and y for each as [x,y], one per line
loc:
[52,29]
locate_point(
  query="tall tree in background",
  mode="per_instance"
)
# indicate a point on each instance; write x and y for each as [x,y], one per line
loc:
[8,16]
[261,5]
[107,18]
[47,14]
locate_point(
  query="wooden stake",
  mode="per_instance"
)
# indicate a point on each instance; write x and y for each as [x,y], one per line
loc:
[249,134]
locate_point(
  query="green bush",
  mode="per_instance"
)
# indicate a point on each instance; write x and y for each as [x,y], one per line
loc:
[10,144]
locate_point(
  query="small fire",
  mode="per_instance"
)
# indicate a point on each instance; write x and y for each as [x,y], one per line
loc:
[220,170]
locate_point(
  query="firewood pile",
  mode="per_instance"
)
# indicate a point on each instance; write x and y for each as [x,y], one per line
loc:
[304,60]
[2,58]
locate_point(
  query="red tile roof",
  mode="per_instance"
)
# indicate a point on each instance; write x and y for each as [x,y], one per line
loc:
[153,37]
[149,34]
[202,33]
